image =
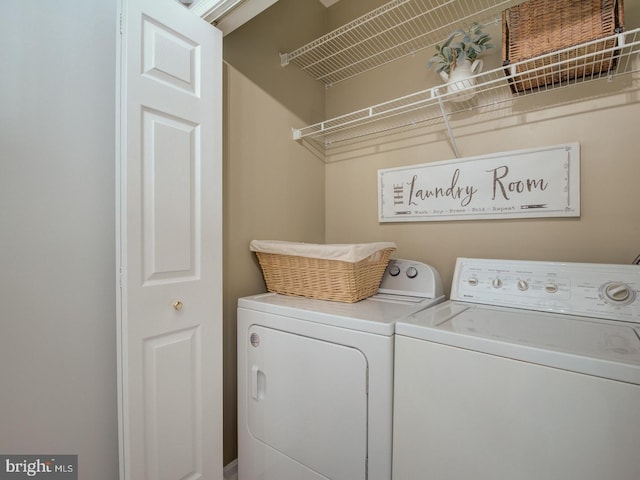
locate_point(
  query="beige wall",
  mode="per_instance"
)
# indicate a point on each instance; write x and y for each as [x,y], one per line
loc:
[254,50]
[273,189]
[607,231]
[601,116]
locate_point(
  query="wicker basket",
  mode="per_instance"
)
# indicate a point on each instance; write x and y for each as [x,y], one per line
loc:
[539,27]
[324,278]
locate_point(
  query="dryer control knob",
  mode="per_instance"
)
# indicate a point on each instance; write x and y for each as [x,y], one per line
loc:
[394,270]
[523,285]
[412,272]
[497,283]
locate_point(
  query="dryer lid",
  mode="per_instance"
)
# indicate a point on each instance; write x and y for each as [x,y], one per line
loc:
[373,315]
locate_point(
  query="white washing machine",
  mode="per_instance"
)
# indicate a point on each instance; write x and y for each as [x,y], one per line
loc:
[531,371]
[315,379]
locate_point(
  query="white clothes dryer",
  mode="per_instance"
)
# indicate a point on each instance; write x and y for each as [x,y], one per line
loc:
[315,379]
[531,371]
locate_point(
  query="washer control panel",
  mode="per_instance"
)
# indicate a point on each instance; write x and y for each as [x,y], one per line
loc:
[587,289]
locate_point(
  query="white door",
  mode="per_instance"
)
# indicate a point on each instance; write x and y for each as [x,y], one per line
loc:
[307,401]
[170,243]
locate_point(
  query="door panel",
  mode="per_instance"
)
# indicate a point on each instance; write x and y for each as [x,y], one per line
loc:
[170,57]
[308,400]
[172,404]
[170,247]
[170,177]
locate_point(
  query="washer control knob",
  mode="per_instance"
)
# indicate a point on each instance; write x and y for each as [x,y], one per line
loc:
[497,283]
[394,270]
[412,272]
[618,293]
[473,281]
[523,285]
[551,288]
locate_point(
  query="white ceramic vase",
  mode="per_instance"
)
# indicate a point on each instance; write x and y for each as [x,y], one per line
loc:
[460,85]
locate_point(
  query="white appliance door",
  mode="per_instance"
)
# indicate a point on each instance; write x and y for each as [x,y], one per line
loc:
[308,401]
[170,325]
[460,414]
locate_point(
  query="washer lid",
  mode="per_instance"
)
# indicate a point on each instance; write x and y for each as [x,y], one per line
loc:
[376,314]
[581,344]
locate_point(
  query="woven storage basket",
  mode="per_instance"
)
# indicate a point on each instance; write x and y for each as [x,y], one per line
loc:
[324,278]
[538,27]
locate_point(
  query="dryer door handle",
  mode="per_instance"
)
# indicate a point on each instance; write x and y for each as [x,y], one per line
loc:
[258,383]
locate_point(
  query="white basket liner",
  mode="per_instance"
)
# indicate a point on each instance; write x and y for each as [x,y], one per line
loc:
[348,252]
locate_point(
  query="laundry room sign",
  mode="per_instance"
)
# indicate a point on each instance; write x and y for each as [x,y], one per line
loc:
[542,182]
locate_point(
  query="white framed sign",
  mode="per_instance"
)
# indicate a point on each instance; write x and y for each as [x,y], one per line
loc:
[541,182]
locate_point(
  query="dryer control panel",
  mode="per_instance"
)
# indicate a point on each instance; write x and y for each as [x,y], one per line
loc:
[411,278]
[587,289]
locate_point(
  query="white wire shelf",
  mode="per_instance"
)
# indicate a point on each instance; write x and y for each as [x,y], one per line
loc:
[604,58]
[394,30]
